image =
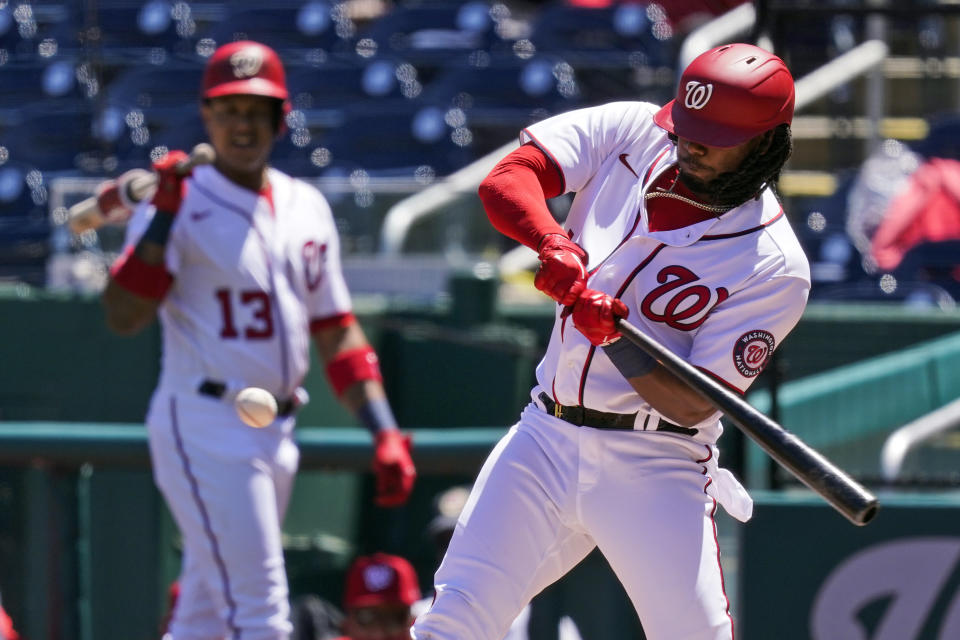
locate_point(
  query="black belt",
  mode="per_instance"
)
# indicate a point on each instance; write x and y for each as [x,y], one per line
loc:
[216,389]
[584,417]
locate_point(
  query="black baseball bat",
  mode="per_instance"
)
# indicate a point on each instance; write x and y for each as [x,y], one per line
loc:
[844,493]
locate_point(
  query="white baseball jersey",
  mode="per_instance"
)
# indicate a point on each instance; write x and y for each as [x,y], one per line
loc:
[721,293]
[249,277]
[251,273]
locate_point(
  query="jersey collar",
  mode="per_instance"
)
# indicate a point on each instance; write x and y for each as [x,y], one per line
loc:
[747,216]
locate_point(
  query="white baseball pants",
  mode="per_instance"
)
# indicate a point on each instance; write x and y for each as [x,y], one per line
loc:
[227,486]
[549,493]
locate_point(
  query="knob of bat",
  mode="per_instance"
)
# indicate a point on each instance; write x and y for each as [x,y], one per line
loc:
[203,153]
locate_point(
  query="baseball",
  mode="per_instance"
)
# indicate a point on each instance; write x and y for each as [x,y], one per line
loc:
[256,407]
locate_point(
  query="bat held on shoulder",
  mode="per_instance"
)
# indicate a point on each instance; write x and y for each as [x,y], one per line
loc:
[86,214]
[841,491]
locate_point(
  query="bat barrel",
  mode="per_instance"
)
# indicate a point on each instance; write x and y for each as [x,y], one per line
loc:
[844,493]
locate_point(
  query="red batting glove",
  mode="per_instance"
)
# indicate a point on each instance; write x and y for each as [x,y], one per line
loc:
[393,467]
[169,193]
[595,314]
[563,273]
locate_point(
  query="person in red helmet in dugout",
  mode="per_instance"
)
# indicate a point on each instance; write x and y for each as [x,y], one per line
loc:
[380,589]
[7,632]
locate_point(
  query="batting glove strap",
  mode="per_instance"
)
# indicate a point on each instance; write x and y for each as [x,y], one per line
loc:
[159,229]
[629,359]
[393,467]
[377,416]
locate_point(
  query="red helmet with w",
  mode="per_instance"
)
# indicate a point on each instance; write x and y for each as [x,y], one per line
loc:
[729,95]
[247,68]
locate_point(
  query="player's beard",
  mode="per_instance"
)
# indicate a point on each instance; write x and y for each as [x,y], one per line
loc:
[708,190]
[699,187]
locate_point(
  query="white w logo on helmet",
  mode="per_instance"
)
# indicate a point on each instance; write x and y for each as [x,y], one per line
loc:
[698,95]
[246,62]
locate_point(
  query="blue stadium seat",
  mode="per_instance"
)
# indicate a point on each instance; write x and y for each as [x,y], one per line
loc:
[621,34]
[292,153]
[158,92]
[59,82]
[820,225]
[809,39]
[24,223]
[937,263]
[33,32]
[431,34]
[507,94]
[138,145]
[151,30]
[943,138]
[293,30]
[325,93]
[22,192]
[418,138]
[142,102]
[61,140]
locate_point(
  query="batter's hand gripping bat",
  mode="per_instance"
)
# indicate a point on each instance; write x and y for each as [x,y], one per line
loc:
[847,496]
[86,214]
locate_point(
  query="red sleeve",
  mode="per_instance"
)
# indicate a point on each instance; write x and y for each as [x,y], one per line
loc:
[514,195]
[337,320]
[136,276]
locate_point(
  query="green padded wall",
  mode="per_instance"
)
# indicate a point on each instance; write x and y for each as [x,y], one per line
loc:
[827,336]
[439,376]
[848,411]
[59,362]
[832,335]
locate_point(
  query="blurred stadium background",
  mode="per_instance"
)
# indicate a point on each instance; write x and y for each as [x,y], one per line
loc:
[399,108]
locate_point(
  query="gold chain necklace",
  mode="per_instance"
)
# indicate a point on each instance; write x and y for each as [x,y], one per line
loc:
[669,193]
[676,196]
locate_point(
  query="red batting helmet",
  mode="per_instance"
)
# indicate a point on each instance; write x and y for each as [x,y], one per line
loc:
[380,579]
[729,95]
[247,68]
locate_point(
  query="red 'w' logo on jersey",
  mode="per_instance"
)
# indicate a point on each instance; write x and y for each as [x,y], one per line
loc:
[754,355]
[685,309]
[314,256]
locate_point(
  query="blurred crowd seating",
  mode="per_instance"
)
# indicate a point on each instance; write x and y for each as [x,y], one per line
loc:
[919,123]
[128,71]
[404,89]
[412,90]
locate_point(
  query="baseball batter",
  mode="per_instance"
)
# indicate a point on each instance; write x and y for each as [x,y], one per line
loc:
[674,225]
[242,264]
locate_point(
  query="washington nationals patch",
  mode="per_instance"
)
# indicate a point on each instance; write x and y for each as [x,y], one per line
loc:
[751,352]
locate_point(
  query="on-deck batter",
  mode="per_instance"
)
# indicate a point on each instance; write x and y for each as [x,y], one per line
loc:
[242,262]
[676,226]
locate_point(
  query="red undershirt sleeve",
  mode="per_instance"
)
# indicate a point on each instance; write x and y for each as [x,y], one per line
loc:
[514,195]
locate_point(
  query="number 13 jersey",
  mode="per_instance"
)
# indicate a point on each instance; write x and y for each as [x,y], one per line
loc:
[253,272]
